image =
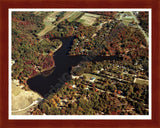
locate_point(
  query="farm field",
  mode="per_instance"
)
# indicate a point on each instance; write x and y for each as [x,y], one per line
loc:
[85,18]
[75,16]
[48,23]
[51,18]
[88,19]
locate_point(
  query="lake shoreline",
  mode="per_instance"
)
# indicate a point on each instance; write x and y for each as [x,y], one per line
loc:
[48,69]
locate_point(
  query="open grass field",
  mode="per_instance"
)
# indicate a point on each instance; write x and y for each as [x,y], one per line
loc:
[75,16]
[88,19]
[85,18]
[48,23]
[92,15]
[51,18]
[127,19]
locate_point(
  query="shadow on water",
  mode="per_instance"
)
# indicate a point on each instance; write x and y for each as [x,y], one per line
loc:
[46,85]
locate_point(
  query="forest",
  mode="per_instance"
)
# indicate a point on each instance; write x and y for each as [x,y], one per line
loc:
[143,18]
[30,54]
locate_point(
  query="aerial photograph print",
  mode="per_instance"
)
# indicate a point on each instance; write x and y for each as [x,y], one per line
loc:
[79,62]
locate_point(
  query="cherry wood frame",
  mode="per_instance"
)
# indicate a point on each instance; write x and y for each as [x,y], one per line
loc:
[6,4]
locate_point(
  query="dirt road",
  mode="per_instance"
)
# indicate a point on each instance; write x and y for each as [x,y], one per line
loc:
[144,33]
[98,28]
[48,22]
[21,100]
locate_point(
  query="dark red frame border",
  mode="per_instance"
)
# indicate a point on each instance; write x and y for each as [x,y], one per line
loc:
[6,4]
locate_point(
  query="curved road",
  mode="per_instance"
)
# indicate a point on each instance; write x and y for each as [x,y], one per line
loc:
[144,33]
[35,102]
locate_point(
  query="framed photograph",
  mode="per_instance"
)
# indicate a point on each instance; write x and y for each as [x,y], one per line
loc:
[88,64]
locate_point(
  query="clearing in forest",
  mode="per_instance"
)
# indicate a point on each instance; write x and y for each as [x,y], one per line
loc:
[75,16]
[52,18]
[88,19]
[48,23]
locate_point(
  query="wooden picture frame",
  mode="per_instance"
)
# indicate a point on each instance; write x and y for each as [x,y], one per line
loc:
[5,5]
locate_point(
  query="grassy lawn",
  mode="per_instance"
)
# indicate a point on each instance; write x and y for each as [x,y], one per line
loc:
[88,76]
[88,18]
[81,20]
[48,23]
[74,16]
[92,15]
[49,19]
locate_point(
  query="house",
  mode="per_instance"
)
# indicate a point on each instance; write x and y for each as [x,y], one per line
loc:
[87,88]
[97,71]
[136,63]
[92,79]
[102,69]
[73,86]
[119,92]
[96,90]
[12,62]
[21,86]
[75,77]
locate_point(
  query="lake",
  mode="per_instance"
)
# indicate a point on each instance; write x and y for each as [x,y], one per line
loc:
[63,63]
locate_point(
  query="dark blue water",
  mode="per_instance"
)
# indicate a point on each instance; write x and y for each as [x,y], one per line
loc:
[46,85]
